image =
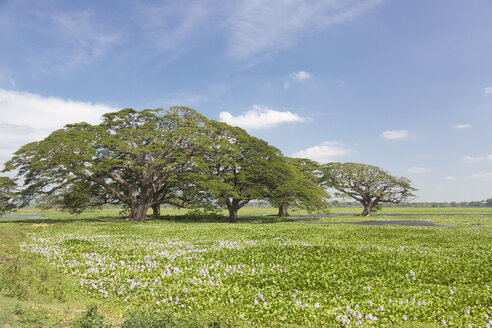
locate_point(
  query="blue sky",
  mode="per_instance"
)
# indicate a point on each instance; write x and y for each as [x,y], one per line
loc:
[404,85]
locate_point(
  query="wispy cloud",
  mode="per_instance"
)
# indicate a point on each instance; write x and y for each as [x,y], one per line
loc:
[418,170]
[475,159]
[27,117]
[481,175]
[462,126]
[487,90]
[266,26]
[323,153]
[79,39]
[170,25]
[450,178]
[395,134]
[260,118]
[6,81]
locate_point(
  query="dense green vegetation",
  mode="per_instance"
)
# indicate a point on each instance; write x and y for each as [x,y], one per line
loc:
[181,270]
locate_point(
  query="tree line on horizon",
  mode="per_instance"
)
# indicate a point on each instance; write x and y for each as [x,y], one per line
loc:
[143,159]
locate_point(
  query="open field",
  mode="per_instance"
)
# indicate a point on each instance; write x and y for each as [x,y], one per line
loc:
[190,271]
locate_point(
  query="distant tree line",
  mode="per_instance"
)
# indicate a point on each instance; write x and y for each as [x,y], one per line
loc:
[144,159]
[481,203]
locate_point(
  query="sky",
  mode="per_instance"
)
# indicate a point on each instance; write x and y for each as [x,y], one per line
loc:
[403,85]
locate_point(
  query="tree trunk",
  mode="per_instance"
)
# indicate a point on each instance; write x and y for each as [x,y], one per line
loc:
[283,210]
[233,205]
[368,206]
[232,213]
[367,210]
[139,212]
[156,210]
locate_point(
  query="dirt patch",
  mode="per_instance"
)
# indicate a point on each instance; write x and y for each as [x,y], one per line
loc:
[7,259]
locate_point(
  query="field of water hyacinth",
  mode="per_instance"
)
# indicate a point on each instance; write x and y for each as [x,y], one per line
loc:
[279,274]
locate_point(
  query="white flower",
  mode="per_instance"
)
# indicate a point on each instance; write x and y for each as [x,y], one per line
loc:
[405,317]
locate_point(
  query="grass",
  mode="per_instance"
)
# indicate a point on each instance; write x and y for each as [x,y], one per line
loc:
[37,287]
[32,291]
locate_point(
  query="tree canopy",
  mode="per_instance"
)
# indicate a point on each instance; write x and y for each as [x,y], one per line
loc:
[367,184]
[295,183]
[133,158]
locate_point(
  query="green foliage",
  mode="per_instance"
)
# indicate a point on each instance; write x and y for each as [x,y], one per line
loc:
[133,157]
[367,184]
[295,183]
[90,319]
[7,195]
[236,167]
[147,319]
[30,315]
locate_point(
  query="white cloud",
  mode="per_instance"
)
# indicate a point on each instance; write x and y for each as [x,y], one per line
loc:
[472,159]
[487,90]
[450,178]
[301,75]
[260,118]
[481,175]
[323,153]
[395,134]
[418,170]
[266,26]
[462,126]
[475,159]
[27,117]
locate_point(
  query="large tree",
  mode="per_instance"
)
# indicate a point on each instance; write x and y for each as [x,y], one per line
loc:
[296,183]
[236,167]
[136,158]
[367,184]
